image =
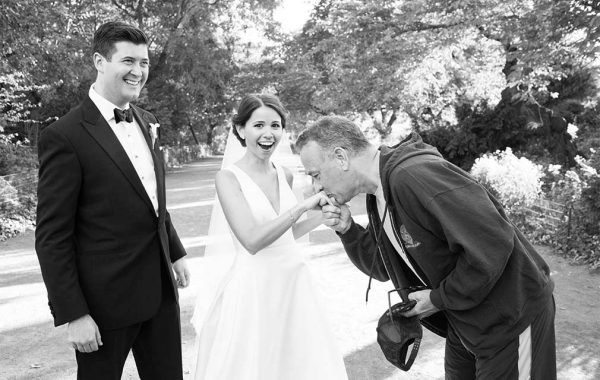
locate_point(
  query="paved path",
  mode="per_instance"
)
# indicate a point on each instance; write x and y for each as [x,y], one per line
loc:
[27,335]
[190,195]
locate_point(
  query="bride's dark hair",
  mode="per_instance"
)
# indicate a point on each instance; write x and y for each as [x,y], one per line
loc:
[251,103]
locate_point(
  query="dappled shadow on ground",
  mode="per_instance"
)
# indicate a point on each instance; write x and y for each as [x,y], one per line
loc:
[38,351]
[578,362]
[24,277]
[578,354]
[577,296]
[26,341]
[369,363]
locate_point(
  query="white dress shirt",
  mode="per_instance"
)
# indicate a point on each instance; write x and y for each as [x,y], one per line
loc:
[387,227]
[133,142]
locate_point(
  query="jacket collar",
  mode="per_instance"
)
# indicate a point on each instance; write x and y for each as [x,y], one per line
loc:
[97,126]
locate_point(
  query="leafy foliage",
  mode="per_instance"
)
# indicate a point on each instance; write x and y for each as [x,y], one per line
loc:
[192,49]
[432,60]
[17,199]
[472,76]
[14,154]
[46,68]
[578,236]
[516,182]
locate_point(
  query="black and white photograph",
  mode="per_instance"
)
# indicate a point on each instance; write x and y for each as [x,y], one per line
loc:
[299,189]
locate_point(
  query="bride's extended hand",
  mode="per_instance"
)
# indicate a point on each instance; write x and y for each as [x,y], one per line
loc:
[316,201]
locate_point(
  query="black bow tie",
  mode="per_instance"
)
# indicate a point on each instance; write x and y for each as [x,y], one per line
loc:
[125,115]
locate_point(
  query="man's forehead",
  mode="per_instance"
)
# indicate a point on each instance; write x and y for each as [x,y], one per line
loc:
[310,156]
[311,152]
[313,148]
[310,165]
[127,48]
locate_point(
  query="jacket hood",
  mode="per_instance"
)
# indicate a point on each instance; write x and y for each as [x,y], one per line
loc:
[411,146]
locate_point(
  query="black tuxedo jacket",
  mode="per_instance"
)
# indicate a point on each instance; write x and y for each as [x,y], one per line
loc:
[100,244]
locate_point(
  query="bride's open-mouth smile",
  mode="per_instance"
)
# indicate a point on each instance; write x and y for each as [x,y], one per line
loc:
[266,145]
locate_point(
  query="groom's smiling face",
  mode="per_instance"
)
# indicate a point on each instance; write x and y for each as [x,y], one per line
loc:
[122,76]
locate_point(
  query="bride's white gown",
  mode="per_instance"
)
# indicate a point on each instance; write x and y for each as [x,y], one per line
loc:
[267,322]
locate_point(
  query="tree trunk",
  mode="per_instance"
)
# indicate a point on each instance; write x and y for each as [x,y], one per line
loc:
[391,121]
[194,134]
[210,134]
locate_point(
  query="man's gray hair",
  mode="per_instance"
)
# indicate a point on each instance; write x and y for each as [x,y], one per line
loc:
[334,131]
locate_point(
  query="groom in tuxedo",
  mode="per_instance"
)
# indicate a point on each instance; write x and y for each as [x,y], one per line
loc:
[110,257]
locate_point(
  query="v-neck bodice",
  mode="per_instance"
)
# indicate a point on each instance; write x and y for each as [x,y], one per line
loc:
[262,209]
[253,183]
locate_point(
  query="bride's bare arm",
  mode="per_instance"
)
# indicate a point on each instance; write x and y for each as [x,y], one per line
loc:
[251,235]
[302,228]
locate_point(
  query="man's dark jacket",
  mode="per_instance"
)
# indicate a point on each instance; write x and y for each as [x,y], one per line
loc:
[485,276]
[102,249]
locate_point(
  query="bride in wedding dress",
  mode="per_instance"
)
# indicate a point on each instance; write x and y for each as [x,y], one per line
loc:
[265,320]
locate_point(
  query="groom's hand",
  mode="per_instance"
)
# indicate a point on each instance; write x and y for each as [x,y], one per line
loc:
[337,217]
[84,335]
[182,273]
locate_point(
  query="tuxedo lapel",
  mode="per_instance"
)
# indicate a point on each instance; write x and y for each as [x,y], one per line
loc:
[144,119]
[99,129]
[140,117]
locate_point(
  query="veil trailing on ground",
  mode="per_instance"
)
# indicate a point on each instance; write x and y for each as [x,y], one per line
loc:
[219,250]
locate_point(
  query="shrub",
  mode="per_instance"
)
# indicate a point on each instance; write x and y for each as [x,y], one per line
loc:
[15,155]
[17,196]
[16,217]
[578,236]
[515,182]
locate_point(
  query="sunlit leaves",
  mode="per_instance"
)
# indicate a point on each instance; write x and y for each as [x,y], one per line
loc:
[426,56]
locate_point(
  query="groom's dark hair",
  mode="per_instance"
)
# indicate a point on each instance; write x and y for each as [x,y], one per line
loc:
[116,31]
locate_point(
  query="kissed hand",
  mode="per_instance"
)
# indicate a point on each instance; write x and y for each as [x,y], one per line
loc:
[84,335]
[424,307]
[315,201]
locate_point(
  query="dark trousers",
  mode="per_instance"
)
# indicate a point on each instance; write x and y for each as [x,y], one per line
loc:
[531,355]
[156,346]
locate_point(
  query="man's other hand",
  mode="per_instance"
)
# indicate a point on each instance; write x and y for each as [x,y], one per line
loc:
[84,335]
[424,306]
[337,217]
[182,273]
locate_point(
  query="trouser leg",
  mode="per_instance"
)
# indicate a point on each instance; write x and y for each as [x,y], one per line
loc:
[157,348]
[107,363]
[531,355]
[543,363]
[459,363]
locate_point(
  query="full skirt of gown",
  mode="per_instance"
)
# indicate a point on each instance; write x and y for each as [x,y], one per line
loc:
[267,321]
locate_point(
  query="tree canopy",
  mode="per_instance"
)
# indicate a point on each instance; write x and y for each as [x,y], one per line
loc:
[421,57]
[486,67]
[46,57]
